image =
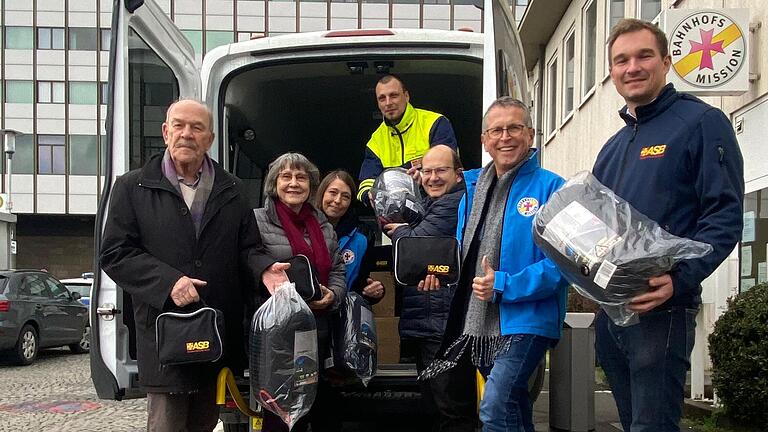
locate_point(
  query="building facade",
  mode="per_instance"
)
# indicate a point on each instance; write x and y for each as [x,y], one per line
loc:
[53,71]
[577,106]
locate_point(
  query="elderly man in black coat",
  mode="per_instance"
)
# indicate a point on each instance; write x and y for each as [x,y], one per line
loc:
[424,313]
[180,230]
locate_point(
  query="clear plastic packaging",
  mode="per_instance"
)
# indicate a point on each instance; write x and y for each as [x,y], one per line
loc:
[397,197]
[284,364]
[604,247]
[355,338]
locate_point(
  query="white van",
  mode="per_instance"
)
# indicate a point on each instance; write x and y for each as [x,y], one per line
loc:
[306,92]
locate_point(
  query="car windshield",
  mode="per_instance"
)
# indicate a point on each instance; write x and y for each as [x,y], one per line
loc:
[83,289]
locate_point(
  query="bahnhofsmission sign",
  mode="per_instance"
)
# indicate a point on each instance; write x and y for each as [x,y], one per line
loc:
[709,50]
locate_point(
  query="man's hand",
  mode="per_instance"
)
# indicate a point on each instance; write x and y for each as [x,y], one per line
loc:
[391,227]
[482,286]
[430,283]
[274,276]
[374,289]
[415,174]
[661,289]
[184,291]
[325,301]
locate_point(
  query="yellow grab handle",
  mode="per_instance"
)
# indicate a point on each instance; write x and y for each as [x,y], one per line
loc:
[227,379]
[480,384]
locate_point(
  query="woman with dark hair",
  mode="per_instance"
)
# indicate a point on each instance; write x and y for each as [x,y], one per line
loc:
[291,225]
[334,197]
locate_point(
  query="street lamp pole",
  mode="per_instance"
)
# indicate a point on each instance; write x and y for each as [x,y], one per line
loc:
[10,148]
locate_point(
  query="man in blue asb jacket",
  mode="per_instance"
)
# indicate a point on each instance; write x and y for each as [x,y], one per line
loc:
[509,305]
[676,161]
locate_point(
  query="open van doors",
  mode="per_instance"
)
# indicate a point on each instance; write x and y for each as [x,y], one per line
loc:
[151,64]
[504,71]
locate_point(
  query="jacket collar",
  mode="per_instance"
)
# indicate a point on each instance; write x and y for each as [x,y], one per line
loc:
[646,112]
[409,116]
[152,176]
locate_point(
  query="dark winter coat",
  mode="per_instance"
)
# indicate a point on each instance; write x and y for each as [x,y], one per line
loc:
[149,243]
[278,248]
[423,314]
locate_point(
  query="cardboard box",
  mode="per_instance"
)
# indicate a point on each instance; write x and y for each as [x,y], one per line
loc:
[388,339]
[385,307]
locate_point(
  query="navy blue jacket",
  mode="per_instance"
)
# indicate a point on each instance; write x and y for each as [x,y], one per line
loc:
[679,164]
[423,314]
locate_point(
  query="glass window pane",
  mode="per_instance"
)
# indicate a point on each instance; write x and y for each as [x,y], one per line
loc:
[650,9]
[103,154]
[615,13]
[20,91]
[43,38]
[57,38]
[568,82]
[214,39]
[82,154]
[44,160]
[195,37]
[552,91]
[58,92]
[24,158]
[103,93]
[104,36]
[83,93]
[44,92]
[19,38]
[59,160]
[82,39]
[590,48]
[53,140]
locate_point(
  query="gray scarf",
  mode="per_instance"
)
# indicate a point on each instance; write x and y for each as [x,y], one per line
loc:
[482,327]
[202,192]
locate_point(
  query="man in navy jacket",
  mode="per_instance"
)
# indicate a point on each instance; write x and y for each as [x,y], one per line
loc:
[676,161]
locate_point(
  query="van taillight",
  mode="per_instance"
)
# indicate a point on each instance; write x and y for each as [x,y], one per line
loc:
[5,305]
[360,32]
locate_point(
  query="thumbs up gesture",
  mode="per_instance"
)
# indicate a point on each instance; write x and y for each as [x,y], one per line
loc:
[482,286]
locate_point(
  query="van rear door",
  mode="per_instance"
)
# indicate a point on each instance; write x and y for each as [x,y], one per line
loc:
[151,64]
[504,71]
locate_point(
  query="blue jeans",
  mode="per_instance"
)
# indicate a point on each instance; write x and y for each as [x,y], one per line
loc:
[646,365]
[506,406]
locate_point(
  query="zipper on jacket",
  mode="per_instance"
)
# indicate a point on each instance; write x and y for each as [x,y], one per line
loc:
[402,145]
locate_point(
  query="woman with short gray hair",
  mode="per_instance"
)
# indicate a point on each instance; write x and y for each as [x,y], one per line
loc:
[290,225]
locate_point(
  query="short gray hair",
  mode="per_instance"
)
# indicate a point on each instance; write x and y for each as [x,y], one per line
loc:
[199,102]
[509,102]
[292,161]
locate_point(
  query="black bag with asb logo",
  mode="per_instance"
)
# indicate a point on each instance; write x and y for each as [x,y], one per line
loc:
[302,274]
[417,257]
[183,337]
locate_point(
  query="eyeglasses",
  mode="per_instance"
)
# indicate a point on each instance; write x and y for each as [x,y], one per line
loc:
[440,171]
[288,177]
[512,130]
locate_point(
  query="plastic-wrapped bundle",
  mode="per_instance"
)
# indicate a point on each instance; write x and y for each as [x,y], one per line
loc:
[283,358]
[604,247]
[397,197]
[355,338]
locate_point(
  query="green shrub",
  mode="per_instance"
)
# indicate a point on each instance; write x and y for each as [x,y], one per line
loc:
[739,351]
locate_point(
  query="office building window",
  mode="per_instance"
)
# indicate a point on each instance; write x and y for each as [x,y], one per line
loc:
[568,72]
[83,93]
[19,38]
[82,38]
[83,151]
[50,154]
[589,24]
[50,38]
[552,96]
[24,158]
[50,92]
[753,253]
[105,36]
[614,14]
[649,9]
[103,93]
[19,91]
[195,37]
[214,39]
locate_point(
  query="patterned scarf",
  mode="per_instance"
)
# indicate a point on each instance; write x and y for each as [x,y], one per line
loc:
[294,224]
[202,192]
[481,330]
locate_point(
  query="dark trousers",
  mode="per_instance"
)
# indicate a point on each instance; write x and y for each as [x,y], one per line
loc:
[324,416]
[646,365]
[183,412]
[451,395]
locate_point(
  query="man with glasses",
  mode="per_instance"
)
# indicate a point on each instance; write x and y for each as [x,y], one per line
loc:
[509,306]
[404,136]
[424,313]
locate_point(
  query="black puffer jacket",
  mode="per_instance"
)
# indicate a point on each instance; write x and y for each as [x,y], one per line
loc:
[423,314]
[149,243]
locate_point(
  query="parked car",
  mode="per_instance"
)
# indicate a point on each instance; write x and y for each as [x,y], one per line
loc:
[81,285]
[38,311]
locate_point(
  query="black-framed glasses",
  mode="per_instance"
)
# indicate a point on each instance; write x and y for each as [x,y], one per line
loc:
[512,130]
[440,171]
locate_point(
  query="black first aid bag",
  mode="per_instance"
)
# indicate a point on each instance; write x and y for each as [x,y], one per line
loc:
[417,257]
[183,337]
[396,197]
[304,277]
[283,355]
[354,338]
[604,247]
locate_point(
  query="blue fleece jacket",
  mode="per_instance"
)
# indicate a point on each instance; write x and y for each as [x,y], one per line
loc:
[679,163]
[530,288]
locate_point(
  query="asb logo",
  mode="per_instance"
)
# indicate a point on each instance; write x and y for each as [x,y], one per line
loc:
[347,256]
[707,49]
[438,268]
[199,346]
[656,151]
[528,206]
